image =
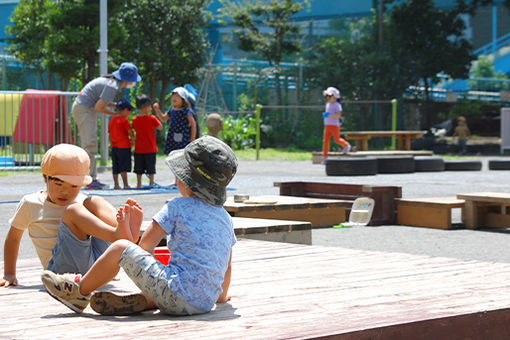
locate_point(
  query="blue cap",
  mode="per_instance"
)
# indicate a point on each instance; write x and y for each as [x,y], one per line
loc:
[127,72]
[124,104]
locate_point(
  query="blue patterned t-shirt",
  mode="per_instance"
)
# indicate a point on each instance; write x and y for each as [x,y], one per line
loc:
[199,237]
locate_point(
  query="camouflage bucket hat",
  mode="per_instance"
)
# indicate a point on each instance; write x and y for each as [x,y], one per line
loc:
[206,166]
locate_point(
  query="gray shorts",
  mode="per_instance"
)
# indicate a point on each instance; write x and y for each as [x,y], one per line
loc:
[151,277]
[72,255]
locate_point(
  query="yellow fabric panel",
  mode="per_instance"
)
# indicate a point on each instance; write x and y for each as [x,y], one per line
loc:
[9,111]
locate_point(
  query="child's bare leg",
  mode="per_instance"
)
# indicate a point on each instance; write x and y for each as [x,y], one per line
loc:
[105,268]
[102,209]
[135,219]
[116,181]
[83,222]
[123,218]
[151,179]
[138,180]
[125,179]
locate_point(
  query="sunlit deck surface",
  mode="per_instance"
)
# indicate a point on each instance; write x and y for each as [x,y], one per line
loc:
[282,290]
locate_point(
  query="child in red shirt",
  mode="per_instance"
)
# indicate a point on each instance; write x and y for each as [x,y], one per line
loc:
[121,140]
[145,142]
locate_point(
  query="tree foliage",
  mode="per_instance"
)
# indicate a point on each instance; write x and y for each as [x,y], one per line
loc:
[60,36]
[29,31]
[267,28]
[166,40]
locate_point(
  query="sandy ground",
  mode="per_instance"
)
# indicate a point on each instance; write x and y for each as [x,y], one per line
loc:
[257,178]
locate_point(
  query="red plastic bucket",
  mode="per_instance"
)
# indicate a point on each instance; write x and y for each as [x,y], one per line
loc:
[162,254]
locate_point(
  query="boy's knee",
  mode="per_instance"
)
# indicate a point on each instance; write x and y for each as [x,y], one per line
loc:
[71,211]
[121,245]
[92,203]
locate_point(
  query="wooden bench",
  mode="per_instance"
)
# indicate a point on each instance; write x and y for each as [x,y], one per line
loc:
[384,196]
[298,232]
[361,138]
[319,212]
[431,212]
[486,209]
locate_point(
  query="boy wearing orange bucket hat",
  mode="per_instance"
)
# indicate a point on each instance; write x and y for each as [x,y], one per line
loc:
[60,219]
[200,237]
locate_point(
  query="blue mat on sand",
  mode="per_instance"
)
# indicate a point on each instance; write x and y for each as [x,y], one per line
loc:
[144,190]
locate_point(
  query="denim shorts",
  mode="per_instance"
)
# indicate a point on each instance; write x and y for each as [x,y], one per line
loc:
[72,255]
[151,277]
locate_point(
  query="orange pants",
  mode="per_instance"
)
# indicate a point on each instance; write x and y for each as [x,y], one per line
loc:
[332,131]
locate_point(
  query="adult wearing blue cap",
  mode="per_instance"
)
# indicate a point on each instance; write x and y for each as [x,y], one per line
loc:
[98,96]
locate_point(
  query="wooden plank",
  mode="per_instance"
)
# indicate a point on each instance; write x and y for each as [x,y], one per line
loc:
[384,196]
[319,212]
[293,291]
[424,215]
[318,217]
[490,197]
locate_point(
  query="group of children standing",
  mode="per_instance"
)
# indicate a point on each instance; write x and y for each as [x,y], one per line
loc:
[181,131]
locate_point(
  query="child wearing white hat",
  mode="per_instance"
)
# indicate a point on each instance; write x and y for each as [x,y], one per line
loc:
[332,124]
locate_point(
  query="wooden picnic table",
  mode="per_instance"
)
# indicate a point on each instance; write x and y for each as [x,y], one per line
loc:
[319,212]
[361,138]
[486,209]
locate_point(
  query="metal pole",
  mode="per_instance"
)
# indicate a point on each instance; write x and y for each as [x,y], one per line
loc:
[258,108]
[103,69]
[393,122]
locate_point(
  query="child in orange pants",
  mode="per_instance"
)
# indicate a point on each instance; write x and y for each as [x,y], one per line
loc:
[332,122]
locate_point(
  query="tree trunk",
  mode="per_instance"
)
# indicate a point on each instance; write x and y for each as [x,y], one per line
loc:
[41,79]
[91,66]
[277,85]
[162,92]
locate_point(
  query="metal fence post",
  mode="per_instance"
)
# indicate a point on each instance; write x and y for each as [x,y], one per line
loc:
[258,108]
[393,122]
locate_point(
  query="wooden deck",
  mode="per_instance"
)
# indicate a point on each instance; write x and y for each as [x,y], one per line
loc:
[282,291]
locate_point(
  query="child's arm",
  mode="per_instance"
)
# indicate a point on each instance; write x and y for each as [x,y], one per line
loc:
[151,237]
[226,282]
[131,137]
[11,248]
[336,115]
[162,116]
[193,127]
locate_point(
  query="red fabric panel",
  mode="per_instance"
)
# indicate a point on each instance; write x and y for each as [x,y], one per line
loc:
[42,119]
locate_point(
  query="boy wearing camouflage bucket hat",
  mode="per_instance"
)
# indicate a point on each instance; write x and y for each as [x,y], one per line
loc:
[199,234]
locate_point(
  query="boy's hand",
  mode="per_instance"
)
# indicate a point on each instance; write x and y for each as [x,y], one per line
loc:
[9,280]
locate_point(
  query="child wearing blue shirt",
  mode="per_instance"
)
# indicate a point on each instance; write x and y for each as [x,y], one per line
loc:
[199,234]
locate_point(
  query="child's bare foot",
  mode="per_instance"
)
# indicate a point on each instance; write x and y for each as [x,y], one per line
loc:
[117,187]
[123,219]
[136,218]
[127,187]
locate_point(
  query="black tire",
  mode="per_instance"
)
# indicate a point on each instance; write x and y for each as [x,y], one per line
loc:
[428,164]
[499,164]
[351,166]
[463,165]
[395,164]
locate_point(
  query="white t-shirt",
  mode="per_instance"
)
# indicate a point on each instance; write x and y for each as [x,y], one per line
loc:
[42,219]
